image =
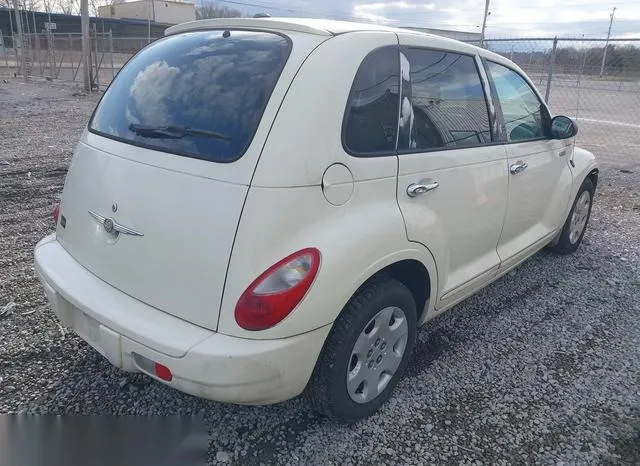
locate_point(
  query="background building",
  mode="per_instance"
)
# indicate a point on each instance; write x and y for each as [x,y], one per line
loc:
[159,11]
[35,22]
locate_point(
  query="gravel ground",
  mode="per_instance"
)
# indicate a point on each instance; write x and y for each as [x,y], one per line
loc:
[542,367]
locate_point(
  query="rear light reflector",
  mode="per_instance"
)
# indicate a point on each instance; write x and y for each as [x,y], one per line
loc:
[274,294]
[153,368]
[163,372]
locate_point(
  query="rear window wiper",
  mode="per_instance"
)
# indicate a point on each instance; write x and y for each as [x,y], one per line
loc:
[173,132]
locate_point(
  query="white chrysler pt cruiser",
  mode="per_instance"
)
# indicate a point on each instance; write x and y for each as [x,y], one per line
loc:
[264,207]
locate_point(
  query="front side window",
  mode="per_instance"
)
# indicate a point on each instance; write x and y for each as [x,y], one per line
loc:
[199,94]
[371,120]
[522,110]
[448,107]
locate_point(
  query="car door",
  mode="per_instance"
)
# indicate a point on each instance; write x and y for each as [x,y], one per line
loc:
[539,175]
[452,182]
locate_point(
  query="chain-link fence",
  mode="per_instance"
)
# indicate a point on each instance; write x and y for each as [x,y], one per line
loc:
[595,81]
[59,56]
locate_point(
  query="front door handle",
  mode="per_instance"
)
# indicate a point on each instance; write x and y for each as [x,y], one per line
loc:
[518,167]
[415,189]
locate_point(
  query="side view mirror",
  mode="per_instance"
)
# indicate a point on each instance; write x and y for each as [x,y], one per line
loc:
[563,127]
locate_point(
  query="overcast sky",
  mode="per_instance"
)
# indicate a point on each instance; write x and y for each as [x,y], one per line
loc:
[509,18]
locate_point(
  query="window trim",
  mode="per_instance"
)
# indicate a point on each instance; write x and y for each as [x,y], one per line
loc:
[493,142]
[544,109]
[400,92]
[345,113]
[498,134]
[187,154]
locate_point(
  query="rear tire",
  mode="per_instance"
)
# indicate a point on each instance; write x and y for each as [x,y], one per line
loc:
[576,223]
[366,352]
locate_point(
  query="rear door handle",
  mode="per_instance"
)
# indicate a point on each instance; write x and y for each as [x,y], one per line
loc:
[518,167]
[415,189]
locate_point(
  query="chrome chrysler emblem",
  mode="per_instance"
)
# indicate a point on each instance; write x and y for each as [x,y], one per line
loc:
[108,225]
[111,226]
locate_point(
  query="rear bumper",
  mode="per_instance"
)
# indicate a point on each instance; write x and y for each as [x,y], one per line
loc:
[203,363]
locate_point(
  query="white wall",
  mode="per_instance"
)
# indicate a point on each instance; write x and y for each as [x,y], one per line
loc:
[138,10]
[173,12]
[162,12]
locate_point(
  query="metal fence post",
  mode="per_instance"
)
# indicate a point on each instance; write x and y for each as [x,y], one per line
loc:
[50,53]
[37,36]
[71,54]
[582,63]
[552,62]
[95,45]
[4,52]
[59,66]
[80,61]
[14,40]
[113,74]
[20,59]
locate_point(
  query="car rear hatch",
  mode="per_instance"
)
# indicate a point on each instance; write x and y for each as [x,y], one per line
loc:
[156,186]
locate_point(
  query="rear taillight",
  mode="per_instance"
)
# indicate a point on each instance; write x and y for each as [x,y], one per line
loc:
[275,293]
[56,212]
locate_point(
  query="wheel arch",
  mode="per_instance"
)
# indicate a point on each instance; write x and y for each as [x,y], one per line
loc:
[414,275]
[409,267]
[416,269]
[593,176]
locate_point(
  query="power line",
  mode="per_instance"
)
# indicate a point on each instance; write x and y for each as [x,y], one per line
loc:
[334,14]
[568,5]
[547,23]
[416,23]
[289,10]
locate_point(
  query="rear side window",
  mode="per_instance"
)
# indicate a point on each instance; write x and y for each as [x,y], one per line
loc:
[199,94]
[371,119]
[449,109]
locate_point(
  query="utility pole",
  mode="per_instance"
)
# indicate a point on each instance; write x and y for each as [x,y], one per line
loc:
[149,22]
[50,47]
[22,65]
[86,44]
[606,44]
[484,22]
[151,12]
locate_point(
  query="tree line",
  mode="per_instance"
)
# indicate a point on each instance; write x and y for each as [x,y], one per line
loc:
[621,60]
[66,7]
[208,9]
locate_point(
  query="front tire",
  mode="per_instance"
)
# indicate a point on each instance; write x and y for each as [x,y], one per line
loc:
[576,223]
[366,352]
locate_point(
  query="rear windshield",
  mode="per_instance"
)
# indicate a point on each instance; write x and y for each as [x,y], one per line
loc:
[199,94]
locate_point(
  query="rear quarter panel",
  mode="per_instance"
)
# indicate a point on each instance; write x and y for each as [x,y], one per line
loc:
[355,241]
[286,210]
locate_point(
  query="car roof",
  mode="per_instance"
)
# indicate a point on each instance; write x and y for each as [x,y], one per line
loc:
[321,27]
